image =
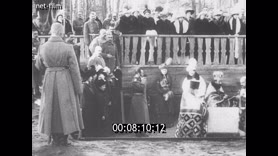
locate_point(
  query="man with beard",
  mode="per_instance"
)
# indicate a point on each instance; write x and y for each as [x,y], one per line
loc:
[91,27]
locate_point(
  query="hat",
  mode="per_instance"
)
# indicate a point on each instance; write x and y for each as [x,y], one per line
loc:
[192,64]
[217,12]
[158,9]
[202,13]
[189,10]
[146,10]
[234,11]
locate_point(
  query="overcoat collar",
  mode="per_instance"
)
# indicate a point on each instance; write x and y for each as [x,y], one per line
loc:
[55,39]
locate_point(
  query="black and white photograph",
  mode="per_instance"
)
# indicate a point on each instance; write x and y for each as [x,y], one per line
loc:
[138,77]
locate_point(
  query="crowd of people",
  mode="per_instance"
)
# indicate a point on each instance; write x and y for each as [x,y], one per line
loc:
[89,100]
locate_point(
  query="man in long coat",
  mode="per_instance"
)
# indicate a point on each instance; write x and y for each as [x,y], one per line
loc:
[59,113]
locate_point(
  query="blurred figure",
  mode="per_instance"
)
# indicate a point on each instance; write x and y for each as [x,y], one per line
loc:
[202,24]
[91,27]
[60,19]
[36,74]
[163,99]
[218,24]
[126,23]
[78,24]
[189,18]
[163,24]
[110,52]
[76,47]
[60,113]
[235,24]
[138,22]
[106,22]
[139,112]
[192,107]
[98,41]
[96,59]
[149,28]
[215,95]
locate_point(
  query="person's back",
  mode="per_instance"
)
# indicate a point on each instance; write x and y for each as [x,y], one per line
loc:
[60,108]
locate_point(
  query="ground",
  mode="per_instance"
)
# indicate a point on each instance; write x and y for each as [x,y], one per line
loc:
[134,147]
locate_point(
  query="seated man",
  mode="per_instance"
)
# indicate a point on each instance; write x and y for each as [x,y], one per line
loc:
[215,96]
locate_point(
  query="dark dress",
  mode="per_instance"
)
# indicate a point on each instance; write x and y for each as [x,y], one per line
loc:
[139,112]
[164,110]
[127,25]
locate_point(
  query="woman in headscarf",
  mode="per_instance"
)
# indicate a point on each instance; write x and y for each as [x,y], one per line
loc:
[192,109]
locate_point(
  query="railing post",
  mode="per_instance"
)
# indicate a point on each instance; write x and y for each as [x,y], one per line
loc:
[232,51]
[176,59]
[159,50]
[143,50]
[216,51]
[122,49]
[134,50]
[240,51]
[200,51]
[184,59]
[192,46]
[223,51]
[168,45]
[208,51]
[245,51]
[127,51]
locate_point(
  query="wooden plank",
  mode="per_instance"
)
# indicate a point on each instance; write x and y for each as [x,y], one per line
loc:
[122,49]
[134,50]
[223,51]
[183,48]
[208,51]
[240,50]
[167,50]
[82,49]
[143,51]
[200,51]
[198,36]
[216,51]
[159,50]
[192,46]
[176,59]
[127,51]
[245,51]
[232,52]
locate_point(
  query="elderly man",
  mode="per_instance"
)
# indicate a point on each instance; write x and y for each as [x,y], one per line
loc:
[78,24]
[91,27]
[110,52]
[60,108]
[98,41]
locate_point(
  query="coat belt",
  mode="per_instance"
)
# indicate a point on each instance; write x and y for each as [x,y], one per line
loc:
[53,69]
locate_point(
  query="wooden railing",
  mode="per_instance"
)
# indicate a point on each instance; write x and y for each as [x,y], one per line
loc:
[207,49]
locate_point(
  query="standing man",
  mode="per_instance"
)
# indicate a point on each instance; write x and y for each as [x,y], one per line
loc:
[110,52]
[188,17]
[60,113]
[78,24]
[91,27]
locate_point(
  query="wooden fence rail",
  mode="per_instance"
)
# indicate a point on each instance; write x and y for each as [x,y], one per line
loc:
[207,49]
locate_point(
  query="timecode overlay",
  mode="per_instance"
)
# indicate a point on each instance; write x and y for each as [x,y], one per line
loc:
[139,128]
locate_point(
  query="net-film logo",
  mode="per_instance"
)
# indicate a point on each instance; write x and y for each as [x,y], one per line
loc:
[51,6]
